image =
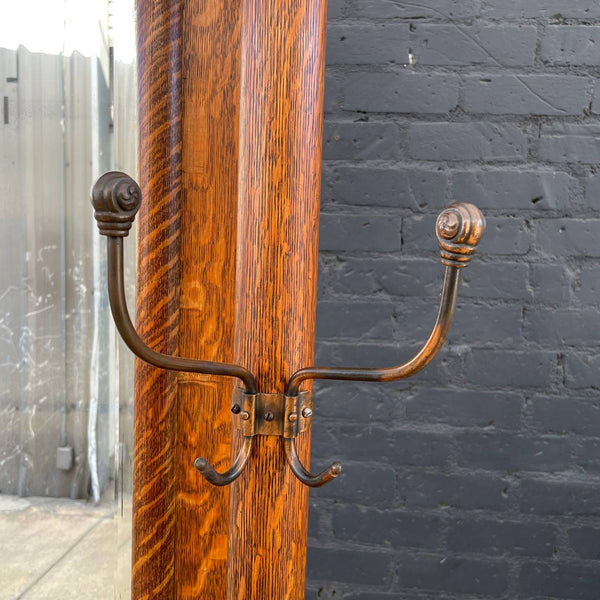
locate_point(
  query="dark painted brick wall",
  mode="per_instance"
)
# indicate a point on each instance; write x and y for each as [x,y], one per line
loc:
[480,477]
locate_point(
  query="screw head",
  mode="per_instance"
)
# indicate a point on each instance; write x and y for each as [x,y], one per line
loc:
[269,416]
[307,412]
[236,409]
[244,415]
[293,417]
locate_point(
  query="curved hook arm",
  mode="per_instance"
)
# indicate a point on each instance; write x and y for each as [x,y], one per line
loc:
[116,199]
[306,477]
[458,229]
[213,476]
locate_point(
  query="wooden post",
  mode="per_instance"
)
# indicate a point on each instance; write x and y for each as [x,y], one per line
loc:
[157,306]
[281,114]
[188,102]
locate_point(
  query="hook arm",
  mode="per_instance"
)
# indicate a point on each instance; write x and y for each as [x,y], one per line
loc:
[306,477]
[458,229]
[116,199]
[213,476]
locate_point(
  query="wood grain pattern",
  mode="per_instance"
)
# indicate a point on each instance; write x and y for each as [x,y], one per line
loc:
[210,98]
[281,112]
[157,314]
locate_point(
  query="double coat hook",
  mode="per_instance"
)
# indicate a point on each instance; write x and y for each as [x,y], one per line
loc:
[116,199]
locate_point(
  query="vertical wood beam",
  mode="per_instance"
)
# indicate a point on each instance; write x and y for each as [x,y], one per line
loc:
[157,306]
[188,97]
[210,97]
[281,115]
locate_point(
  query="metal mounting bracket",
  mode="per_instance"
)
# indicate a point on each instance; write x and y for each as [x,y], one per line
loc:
[271,414]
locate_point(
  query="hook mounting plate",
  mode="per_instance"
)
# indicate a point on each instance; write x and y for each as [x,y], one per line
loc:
[271,414]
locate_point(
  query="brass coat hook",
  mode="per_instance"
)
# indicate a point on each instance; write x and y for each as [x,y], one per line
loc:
[116,199]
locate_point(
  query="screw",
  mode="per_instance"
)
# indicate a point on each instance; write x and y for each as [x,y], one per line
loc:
[293,417]
[307,412]
[235,409]
[269,416]
[244,415]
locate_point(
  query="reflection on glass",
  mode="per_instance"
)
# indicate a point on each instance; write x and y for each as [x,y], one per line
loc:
[68,108]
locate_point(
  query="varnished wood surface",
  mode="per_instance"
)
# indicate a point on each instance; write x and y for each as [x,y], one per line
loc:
[210,96]
[279,177]
[157,314]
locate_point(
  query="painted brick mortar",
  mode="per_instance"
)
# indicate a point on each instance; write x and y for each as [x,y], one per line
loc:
[480,477]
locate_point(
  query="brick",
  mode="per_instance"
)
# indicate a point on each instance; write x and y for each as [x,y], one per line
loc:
[485,324]
[502,236]
[570,144]
[498,45]
[592,192]
[506,236]
[562,580]
[333,92]
[364,483]
[587,455]
[589,290]
[469,492]
[488,280]
[516,538]
[566,415]
[466,141]
[527,94]
[512,369]
[571,45]
[541,9]
[585,542]
[556,327]
[400,447]
[313,520]
[551,284]
[416,277]
[437,9]
[395,528]
[351,566]
[511,189]
[424,93]
[364,141]
[401,188]
[358,402]
[582,370]
[472,323]
[466,408]
[453,574]
[509,452]
[368,43]
[364,320]
[545,497]
[336,9]
[568,237]
[596,97]
[363,233]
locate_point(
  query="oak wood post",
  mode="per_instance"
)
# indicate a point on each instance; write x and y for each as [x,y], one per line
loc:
[157,305]
[281,115]
[188,61]
[210,96]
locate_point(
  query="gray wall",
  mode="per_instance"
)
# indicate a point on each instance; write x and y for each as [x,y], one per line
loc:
[56,136]
[480,477]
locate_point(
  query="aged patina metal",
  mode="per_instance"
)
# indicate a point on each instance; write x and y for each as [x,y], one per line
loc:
[116,199]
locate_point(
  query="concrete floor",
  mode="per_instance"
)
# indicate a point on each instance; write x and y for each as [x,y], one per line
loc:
[60,549]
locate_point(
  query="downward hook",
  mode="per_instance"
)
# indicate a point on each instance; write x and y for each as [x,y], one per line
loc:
[306,477]
[213,476]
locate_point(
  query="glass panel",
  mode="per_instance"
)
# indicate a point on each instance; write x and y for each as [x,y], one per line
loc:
[68,92]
